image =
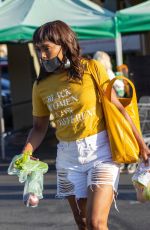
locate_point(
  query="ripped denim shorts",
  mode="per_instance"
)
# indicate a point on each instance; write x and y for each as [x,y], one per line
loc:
[84,163]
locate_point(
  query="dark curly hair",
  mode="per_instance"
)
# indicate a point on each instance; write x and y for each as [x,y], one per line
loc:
[60,33]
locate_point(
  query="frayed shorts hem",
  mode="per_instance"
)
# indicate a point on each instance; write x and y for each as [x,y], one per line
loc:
[84,163]
[81,196]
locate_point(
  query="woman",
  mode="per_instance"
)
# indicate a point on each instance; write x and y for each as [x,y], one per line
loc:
[86,175]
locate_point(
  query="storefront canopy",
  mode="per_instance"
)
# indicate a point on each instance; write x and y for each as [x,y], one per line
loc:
[19,18]
[134,19]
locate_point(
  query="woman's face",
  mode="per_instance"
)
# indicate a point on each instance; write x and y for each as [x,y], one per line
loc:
[48,50]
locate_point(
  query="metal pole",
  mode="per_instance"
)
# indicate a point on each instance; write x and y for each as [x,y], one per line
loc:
[2,134]
[2,124]
[119,53]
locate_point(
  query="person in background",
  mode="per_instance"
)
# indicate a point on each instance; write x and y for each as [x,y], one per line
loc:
[104,59]
[124,71]
[86,174]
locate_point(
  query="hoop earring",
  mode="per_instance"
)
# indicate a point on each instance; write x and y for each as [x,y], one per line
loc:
[67,64]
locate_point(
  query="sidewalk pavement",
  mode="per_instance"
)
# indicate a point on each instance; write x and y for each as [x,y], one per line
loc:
[54,214]
[51,214]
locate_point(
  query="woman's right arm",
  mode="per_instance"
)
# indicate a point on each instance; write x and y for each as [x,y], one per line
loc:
[37,133]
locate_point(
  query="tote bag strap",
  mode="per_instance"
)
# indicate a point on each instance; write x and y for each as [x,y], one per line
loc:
[110,86]
[110,83]
[96,78]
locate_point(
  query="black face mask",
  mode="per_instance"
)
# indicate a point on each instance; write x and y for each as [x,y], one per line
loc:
[51,65]
[54,64]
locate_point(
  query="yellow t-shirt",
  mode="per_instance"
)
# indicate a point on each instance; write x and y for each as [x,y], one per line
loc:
[74,104]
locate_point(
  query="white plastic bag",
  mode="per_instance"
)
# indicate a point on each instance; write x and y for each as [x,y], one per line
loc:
[31,172]
[141,182]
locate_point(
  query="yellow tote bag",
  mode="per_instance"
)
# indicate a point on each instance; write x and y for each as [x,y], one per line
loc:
[123,144]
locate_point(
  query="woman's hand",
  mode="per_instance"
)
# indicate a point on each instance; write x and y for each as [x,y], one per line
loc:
[27,153]
[145,153]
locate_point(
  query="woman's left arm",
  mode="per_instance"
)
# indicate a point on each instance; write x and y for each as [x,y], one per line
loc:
[144,150]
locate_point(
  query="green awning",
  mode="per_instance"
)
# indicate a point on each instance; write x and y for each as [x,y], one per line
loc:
[20,18]
[134,19]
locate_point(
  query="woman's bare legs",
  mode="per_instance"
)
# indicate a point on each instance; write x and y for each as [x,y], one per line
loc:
[92,213]
[98,206]
[78,207]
